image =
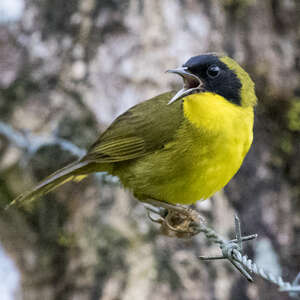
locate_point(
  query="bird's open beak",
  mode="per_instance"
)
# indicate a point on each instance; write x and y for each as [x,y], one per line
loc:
[191,83]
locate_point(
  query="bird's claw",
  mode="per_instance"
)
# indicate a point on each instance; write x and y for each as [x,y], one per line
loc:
[175,220]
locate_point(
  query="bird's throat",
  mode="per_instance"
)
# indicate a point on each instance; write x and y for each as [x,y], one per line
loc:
[213,113]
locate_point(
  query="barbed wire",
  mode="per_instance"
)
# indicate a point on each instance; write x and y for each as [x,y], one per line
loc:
[232,250]
[32,143]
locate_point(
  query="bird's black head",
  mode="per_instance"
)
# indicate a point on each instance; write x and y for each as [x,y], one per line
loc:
[216,76]
[211,73]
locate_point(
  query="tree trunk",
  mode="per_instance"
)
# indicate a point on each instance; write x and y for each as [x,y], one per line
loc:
[67,69]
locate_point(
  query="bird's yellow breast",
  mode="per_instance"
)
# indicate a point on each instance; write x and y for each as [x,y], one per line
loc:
[208,149]
[222,135]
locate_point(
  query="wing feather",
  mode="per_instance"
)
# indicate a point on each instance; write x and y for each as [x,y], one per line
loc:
[118,150]
[144,128]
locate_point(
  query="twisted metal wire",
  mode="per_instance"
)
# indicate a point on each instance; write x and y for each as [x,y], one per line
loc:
[232,252]
[32,143]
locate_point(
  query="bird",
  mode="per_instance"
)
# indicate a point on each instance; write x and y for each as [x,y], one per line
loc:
[178,147]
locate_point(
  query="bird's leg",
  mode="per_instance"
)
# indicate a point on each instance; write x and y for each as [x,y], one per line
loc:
[176,220]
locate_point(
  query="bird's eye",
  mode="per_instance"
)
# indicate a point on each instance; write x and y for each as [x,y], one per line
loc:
[213,71]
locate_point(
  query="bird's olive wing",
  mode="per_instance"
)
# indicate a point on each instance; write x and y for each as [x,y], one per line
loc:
[144,128]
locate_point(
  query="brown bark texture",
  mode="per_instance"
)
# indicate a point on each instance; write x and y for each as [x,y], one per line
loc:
[67,69]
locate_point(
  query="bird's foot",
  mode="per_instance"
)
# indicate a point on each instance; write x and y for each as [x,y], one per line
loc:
[176,220]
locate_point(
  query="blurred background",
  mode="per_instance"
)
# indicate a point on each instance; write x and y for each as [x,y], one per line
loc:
[67,69]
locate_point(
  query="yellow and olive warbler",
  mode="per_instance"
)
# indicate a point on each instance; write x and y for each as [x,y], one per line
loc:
[176,147]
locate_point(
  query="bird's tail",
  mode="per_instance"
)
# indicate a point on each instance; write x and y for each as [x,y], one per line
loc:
[73,172]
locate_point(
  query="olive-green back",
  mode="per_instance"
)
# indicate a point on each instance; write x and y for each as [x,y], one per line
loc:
[142,129]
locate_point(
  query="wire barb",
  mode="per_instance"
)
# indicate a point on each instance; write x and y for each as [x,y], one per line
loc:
[236,244]
[294,289]
[232,251]
[238,233]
